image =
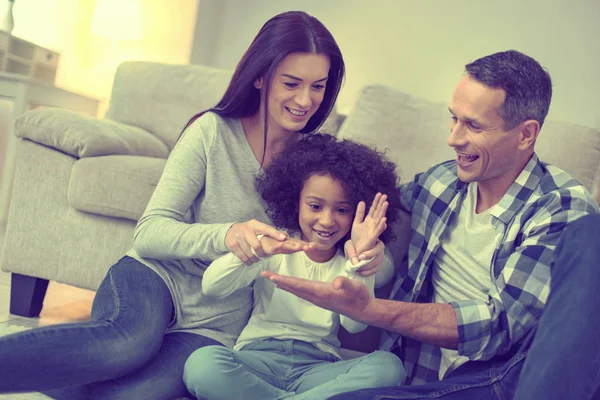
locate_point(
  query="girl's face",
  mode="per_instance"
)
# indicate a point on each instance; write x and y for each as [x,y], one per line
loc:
[297,90]
[325,215]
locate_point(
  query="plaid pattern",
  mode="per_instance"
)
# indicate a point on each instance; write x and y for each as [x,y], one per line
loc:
[531,217]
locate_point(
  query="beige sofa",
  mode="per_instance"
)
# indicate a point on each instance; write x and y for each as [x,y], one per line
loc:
[81,183]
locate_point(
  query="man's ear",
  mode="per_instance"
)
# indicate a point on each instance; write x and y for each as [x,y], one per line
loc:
[258,83]
[529,133]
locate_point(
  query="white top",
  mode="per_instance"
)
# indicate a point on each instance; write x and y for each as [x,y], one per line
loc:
[277,313]
[462,266]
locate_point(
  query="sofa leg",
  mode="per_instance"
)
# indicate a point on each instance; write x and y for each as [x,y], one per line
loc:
[27,295]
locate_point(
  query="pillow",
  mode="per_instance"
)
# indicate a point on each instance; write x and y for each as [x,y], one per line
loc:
[332,123]
[573,148]
[411,131]
[82,136]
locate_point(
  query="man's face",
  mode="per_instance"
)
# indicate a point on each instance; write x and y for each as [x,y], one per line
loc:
[486,152]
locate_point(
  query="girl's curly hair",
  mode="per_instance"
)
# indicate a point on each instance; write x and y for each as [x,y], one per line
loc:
[361,170]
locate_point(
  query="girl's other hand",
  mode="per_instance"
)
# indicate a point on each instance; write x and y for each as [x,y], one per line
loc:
[376,253]
[241,240]
[366,230]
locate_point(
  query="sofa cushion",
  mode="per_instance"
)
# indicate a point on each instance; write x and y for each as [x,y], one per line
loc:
[82,136]
[412,131]
[574,148]
[415,134]
[162,98]
[115,186]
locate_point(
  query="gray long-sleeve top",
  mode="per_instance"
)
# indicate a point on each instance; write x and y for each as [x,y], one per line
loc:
[206,186]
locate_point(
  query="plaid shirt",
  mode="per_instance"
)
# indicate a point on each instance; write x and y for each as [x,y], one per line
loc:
[531,217]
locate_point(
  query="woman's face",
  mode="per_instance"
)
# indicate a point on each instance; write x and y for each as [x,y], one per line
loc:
[297,90]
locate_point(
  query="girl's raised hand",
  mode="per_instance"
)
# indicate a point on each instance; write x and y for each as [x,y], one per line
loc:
[366,230]
[241,240]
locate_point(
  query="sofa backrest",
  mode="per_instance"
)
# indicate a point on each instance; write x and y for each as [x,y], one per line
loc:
[161,98]
[415,133]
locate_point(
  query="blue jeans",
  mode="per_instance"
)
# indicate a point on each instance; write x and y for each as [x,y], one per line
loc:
[277,369]
[561,360]
[122,353]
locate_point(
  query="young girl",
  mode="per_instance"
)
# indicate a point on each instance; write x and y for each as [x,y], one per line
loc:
[316,190]
[149,315]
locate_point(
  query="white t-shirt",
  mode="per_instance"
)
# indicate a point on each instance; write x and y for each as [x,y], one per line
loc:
[462,265]
[277,313]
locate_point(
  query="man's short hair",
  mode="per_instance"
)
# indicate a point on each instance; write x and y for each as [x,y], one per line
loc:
[527,85]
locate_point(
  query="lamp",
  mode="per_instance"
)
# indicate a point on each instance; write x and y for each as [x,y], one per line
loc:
[118,19]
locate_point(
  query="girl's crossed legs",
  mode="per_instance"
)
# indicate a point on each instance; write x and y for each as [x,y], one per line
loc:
[277,369]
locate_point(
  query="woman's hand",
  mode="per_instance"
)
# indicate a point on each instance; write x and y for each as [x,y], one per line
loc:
[241,240]
[290,245]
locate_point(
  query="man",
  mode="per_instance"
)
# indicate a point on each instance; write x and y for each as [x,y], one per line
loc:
[485,226]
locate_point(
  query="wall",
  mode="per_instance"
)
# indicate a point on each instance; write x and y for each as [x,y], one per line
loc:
[421,46]
[88,61]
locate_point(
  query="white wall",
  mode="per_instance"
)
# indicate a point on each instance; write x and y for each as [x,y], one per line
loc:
[421,46]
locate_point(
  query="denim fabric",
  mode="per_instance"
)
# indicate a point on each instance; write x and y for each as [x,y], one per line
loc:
[122,353]
[278,369]
[564,359]
[489,380]
[560,360]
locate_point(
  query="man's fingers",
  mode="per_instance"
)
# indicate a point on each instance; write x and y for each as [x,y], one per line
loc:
[343,283]
[267,274]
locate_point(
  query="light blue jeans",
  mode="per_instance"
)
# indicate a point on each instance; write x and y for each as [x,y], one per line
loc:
[278,369]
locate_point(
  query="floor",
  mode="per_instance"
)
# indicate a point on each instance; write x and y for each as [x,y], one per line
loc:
[62,303]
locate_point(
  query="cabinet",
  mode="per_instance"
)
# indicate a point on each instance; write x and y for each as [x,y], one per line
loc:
[18,56]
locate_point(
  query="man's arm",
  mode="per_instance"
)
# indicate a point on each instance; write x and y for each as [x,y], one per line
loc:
[429,323]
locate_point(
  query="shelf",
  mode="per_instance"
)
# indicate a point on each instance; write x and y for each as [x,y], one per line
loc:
[18,56]
[19,59]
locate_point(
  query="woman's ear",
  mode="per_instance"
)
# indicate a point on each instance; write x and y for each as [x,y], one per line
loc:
[258,83]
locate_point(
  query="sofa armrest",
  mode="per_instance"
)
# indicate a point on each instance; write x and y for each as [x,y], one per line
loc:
[82,136]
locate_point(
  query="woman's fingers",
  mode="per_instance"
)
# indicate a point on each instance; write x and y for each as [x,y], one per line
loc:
[241,240]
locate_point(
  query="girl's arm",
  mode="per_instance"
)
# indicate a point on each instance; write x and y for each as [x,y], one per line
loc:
[228,273]
[364,236]
[351,271]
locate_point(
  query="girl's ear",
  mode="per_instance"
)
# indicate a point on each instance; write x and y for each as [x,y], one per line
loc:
[258,83]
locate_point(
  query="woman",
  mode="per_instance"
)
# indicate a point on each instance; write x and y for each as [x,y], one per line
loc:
[149,313]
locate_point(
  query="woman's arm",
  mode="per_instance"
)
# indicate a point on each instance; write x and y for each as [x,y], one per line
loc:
[167,229]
